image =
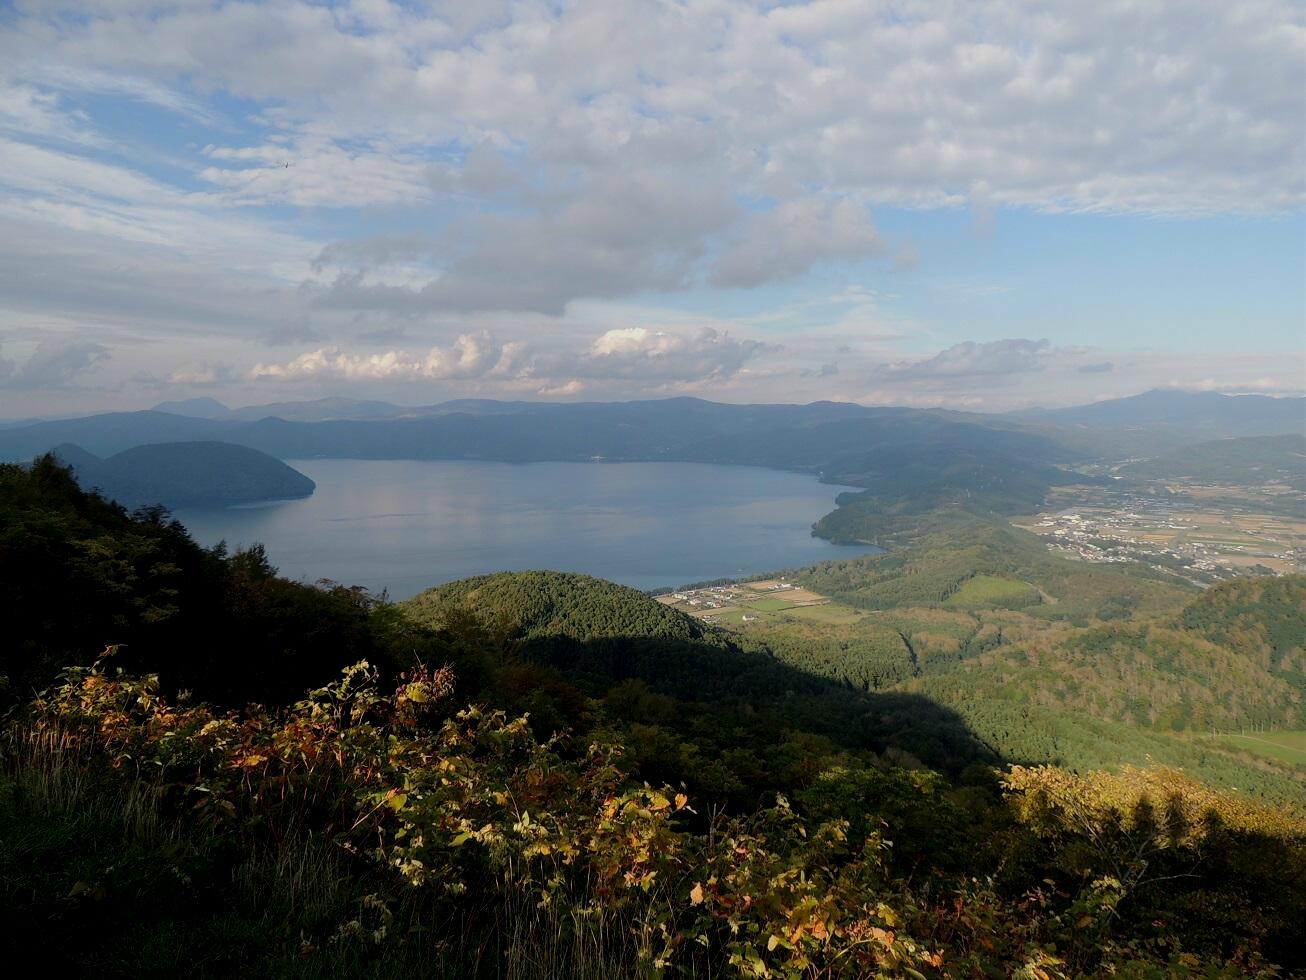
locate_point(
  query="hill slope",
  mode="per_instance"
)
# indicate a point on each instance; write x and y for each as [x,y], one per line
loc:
[178,474]
[602,637]
[538,604]
[1233,657]
[1185,413]
[954,548]
[1247,460]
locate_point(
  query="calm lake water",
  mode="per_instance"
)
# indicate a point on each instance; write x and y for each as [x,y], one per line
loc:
[406,525]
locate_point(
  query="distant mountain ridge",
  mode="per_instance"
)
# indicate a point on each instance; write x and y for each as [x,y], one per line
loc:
[1158,406]
[336,409]
[991,462]
[182,474]
[795,437]
[1197,412]
[196,408]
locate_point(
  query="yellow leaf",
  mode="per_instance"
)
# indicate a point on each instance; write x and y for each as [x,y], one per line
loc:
[397,801]
[681,800]
[696,894]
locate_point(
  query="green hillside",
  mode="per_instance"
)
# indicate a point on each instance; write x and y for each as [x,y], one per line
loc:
[79,573]
[540,774]
[540,604]
[940,565]
[1248,460]
[614,643]
[1230,659]
[1263,619]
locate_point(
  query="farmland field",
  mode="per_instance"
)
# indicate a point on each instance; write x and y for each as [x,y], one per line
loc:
[830,613]
[991,590]
[769,604]
[1284,746]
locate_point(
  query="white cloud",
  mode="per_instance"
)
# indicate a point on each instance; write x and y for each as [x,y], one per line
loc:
[609,236]
[34,113]
[54,365]
[487,169]
[789,239]
[470,356]
[202,375]
[636,355]
[654,355]
[994,359]
[314,172]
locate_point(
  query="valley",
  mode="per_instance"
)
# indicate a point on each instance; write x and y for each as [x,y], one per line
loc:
[999,669]
[1202,533]
[1040,684]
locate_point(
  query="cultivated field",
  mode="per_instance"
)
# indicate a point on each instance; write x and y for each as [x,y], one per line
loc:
[1283,746]
[732,603]
[990,590]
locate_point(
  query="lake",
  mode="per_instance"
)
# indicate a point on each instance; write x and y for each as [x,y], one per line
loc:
[406,525]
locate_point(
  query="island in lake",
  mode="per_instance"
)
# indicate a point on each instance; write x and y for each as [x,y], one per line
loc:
[187,474]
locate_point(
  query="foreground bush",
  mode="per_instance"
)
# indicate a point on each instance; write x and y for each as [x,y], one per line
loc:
[394,834]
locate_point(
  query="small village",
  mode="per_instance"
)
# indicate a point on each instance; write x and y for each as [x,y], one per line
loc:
[1209,543]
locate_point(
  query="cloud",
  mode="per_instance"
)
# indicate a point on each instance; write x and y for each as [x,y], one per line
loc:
[564,390]
[1101,367]
[647,355]
[792,237]
[385,334]
[296,331]
[1252,386]
[803,107]
[925,104]
[314,172]
[35,113]
[610,236]
[55,364]
[995,359]
[463,170]
[202,375]
[629,354]
[470,356]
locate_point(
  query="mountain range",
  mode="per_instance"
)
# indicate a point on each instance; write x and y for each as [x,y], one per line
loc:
[800,437]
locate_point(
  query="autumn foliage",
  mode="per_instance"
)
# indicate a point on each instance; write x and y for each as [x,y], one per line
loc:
[1059,875]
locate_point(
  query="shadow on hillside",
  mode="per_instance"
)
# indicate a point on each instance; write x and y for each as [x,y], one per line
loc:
[746,691]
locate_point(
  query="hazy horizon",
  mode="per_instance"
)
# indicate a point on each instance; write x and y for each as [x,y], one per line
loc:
[981,208]
[168,404]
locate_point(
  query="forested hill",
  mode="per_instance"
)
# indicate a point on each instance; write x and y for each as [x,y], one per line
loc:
[1261,618]
[206,767]
[179,474]
[541,603]
[1233,658]
[635,653]
[953,548]
[1249,460]
[79,573]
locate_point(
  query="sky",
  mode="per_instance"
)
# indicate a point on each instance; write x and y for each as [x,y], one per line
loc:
[978,204]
